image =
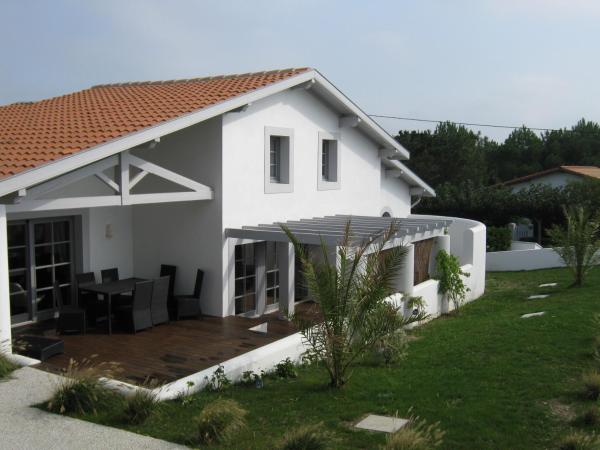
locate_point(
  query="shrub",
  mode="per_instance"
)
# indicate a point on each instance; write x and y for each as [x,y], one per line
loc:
[449,273]
[6,366]
[140,406]
[590,417]
[308,437]
[286,369]
[416,435]
[80,391]
[220,420]
[392,348]
[578,243]
[579,441]
[591,385]
[498,239]
[218,381]
[251,378]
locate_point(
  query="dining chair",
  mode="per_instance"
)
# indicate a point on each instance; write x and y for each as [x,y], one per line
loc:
[109,275]
[94,306]
[189,305]
[170,271]
[160,296]
[70,318]
[139,310]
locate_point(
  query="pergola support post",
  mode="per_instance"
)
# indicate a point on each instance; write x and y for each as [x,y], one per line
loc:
[260,261]
[406,277]
[439,243]
[287,285]
[5,329]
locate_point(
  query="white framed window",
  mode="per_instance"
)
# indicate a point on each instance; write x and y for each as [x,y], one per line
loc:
[328,175]
[279,160]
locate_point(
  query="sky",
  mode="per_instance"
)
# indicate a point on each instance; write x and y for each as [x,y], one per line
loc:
[513,62]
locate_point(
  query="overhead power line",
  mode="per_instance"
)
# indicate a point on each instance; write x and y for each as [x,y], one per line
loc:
[414,119]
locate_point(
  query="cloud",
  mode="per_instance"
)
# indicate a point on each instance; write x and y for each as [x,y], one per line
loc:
[557,9]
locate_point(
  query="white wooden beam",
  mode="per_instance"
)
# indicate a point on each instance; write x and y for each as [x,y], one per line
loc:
[71,177]
[169,175]
[394,173]
[349,121]
[168,197]
[124,161]
[137,178]
[110,183]
[65,203]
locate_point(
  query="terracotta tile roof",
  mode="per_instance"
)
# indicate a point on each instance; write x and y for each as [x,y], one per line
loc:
[35,133]
[586,171]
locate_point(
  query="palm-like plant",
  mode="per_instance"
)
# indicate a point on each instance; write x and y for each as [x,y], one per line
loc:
[351,292]
[577,243]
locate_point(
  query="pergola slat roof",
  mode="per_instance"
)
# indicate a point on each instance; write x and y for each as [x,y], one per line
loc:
[331,229]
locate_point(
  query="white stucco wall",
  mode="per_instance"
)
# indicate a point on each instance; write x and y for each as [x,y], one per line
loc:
[557,179]
[187,234]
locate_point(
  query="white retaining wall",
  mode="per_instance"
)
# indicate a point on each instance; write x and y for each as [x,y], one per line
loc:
[543,258]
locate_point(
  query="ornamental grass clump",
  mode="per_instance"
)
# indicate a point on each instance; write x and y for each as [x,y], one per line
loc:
[579,441]
[591,385]
[351,288]
[140,406]
[219,421]
[308,437]
[415,435]
[80,390]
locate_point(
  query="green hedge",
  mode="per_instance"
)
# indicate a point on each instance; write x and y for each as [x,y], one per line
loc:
[498,239]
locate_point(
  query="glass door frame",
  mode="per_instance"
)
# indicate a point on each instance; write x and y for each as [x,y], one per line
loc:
[26,316]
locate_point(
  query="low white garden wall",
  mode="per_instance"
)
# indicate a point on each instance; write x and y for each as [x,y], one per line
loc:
[543,258]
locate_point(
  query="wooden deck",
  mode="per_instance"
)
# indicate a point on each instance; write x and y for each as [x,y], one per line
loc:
[170,351]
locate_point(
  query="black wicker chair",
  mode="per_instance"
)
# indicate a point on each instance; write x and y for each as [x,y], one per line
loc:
[139,310]
[95,307]
[170,271]
[160,295]
[70,318]
[189,305]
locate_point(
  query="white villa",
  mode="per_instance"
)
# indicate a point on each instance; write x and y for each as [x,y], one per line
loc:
[198,174]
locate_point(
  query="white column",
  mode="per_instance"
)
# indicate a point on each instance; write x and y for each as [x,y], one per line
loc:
[260,261]
[439,243]
[5,331]
[286,263]
[406,278]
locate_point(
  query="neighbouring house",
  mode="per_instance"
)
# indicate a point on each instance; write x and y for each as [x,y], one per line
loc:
[556,177]
[199,173]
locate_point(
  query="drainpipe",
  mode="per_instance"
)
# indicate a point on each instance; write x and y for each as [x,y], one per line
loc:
[417,191]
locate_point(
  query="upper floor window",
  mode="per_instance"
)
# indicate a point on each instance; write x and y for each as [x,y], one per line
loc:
[329,162]
[279,155]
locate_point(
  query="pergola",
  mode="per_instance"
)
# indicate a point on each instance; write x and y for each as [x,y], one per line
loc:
[330,230]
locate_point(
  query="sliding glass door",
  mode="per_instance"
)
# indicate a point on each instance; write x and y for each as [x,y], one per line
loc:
[41,251]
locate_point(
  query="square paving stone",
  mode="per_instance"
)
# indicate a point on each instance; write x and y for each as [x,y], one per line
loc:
[548,285]
[533,297]
[535,314]
[385,424]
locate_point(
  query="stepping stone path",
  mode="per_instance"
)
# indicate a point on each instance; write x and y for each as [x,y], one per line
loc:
[385,424]
[548,285]
[260,328]
[533,297]
[535,314]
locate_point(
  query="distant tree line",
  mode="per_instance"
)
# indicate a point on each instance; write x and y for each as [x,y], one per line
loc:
[464,168]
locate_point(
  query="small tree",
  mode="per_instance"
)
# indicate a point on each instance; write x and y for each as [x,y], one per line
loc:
[351,292]
[449,273]
[578,242]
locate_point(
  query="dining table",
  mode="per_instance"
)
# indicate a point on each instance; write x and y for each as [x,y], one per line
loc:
[110,289]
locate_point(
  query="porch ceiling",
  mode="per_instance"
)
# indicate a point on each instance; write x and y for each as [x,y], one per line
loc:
[331,229]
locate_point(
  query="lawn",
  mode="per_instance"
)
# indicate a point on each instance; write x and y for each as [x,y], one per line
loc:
[491,379]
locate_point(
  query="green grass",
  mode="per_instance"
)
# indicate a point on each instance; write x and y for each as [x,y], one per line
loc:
[6,367]
[492,380]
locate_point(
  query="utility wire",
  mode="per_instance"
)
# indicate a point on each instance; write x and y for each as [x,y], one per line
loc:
[461,123]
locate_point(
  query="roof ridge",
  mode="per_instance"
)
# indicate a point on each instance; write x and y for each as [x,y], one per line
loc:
[198,79]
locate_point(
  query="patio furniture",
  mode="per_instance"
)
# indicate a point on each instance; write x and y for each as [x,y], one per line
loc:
[160,296]
[140,308]
[109,275]
[189,305]
[170,271]
[38,347]
[94,307]
[70,318]
[110,291]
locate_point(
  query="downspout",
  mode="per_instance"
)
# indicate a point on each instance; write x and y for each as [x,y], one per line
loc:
[416,202]
[420,192]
